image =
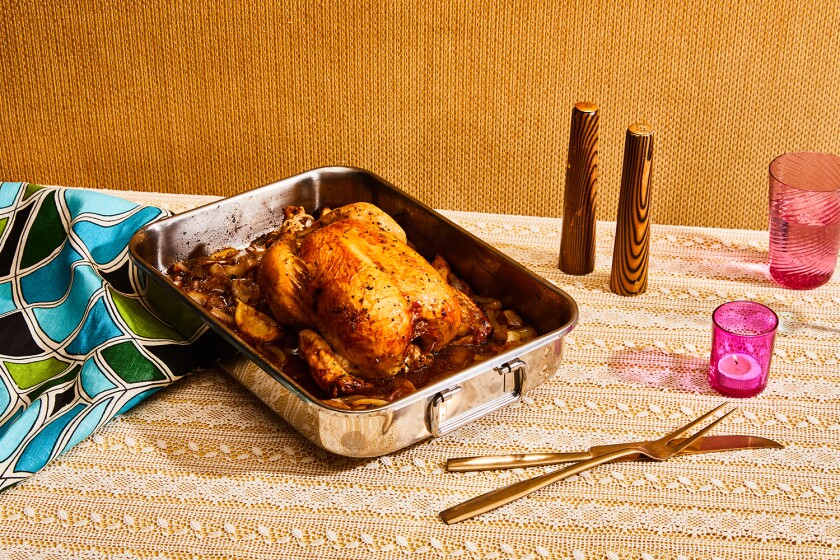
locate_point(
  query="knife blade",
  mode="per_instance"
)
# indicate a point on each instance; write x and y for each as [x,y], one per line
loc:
[706,444]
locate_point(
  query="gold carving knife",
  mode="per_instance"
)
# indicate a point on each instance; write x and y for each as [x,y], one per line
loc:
[706,444]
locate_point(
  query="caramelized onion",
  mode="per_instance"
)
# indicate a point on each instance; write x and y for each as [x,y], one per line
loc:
[256,325]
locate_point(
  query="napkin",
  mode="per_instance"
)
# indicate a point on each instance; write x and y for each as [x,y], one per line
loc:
[78,345]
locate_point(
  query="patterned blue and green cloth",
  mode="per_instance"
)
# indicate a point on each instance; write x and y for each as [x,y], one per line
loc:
[78,345]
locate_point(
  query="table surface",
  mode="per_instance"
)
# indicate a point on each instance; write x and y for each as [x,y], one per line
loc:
[204,469]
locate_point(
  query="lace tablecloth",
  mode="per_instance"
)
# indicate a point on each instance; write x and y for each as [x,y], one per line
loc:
[205,470]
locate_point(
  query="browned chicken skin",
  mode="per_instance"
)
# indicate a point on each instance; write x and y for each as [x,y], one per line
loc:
[371,305]
[475,327]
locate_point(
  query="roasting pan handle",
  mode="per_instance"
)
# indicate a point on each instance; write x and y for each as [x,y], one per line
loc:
[440,420]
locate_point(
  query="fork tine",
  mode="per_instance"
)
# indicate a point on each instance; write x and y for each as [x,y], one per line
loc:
[688,441]
[681,431]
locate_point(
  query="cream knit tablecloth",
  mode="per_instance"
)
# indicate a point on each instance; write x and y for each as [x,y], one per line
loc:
[204,469]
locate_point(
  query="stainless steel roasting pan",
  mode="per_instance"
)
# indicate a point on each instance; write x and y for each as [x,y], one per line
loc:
[433,410]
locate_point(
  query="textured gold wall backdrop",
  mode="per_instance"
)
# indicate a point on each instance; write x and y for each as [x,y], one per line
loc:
[464,104]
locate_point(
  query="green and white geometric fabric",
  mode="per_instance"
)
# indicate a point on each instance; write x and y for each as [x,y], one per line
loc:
[77,343]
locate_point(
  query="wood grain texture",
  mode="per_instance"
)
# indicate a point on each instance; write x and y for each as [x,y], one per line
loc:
[632,234]
[580,197]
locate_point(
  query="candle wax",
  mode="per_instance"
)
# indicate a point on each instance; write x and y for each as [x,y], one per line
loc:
[738,371]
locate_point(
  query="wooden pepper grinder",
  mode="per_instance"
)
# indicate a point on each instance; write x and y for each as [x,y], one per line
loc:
[632,233]
[577,241]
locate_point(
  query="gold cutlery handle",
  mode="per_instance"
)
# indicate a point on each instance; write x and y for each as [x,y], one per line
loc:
[522,460]
[505,495]
[489,462]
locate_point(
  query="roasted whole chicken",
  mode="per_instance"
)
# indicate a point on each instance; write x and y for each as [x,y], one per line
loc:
[368,305]
[345,307]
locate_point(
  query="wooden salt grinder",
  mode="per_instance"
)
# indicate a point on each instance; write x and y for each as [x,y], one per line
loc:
[577,241]
[632,233]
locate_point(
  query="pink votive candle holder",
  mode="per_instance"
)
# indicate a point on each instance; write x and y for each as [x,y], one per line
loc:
[743,333]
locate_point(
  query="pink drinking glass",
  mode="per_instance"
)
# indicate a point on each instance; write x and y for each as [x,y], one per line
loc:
[743,333]
[804,218]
